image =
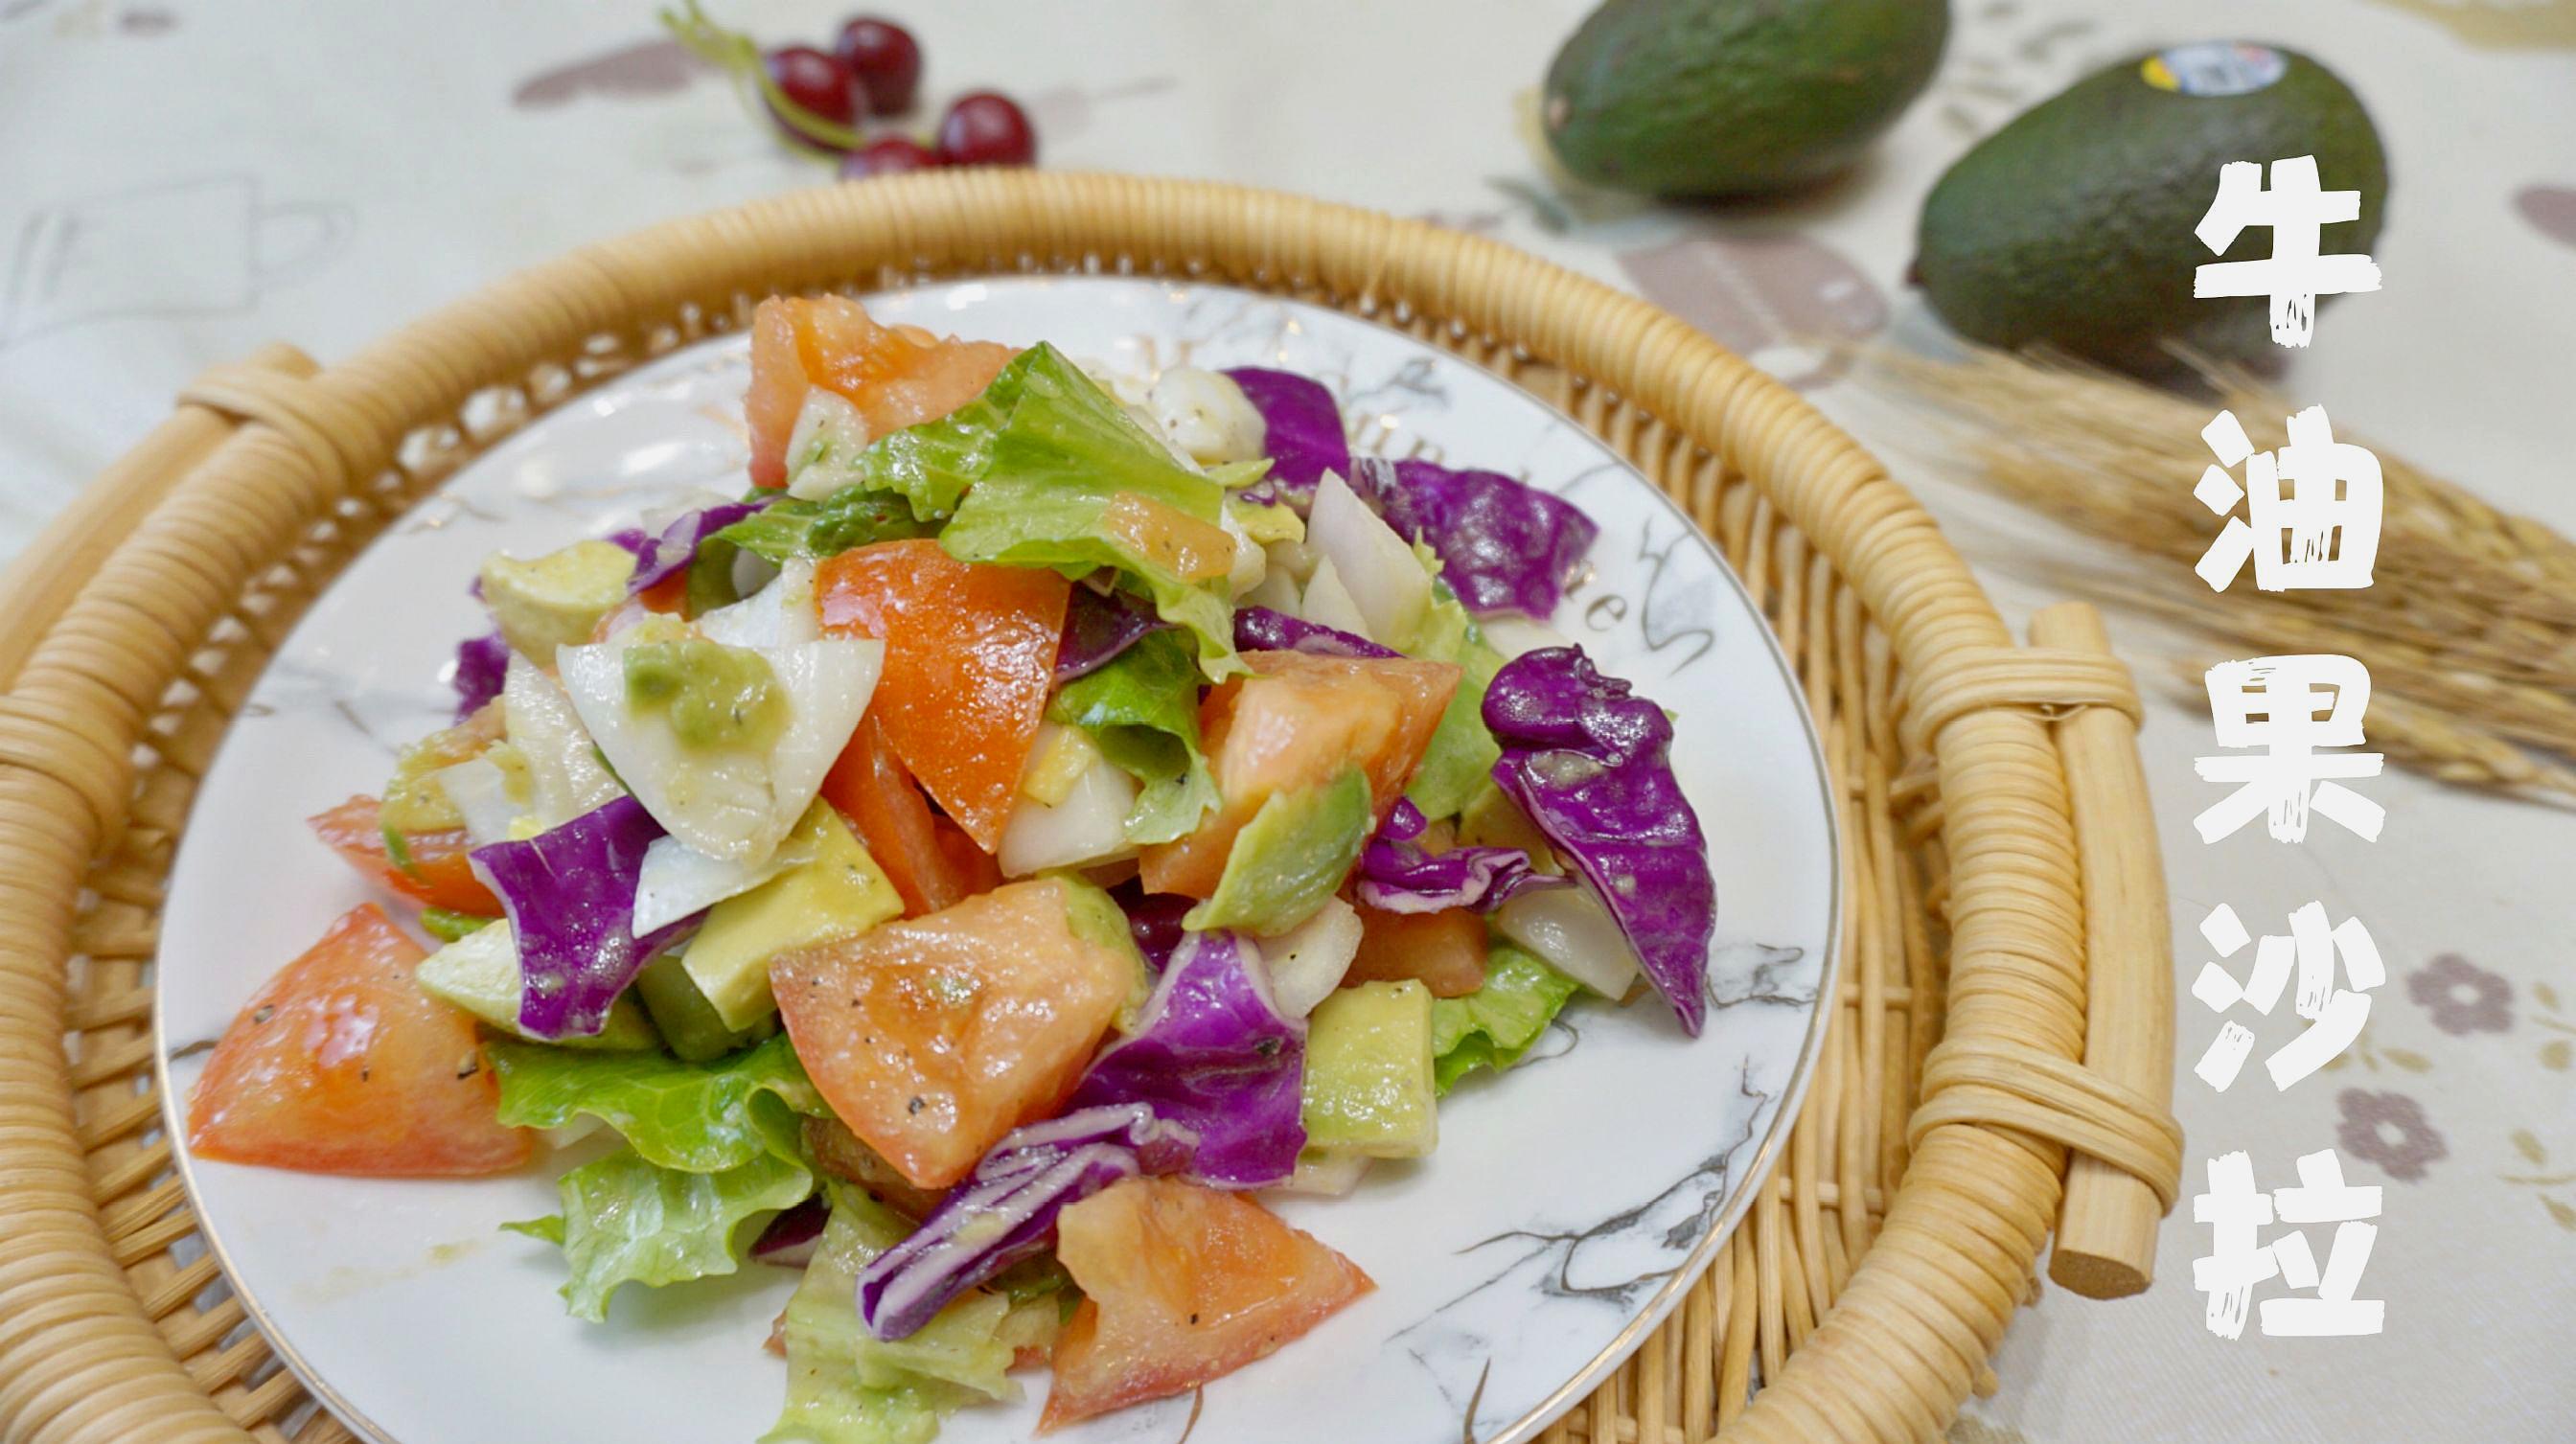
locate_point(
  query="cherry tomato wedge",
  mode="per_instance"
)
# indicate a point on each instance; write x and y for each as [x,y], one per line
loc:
[432,869]
[970,655]
[341,1064]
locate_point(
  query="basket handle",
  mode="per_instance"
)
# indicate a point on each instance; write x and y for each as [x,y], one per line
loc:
[2106,1227]
[39,586]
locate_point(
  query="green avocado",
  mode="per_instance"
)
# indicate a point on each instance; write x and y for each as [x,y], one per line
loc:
[2073,226]
[1368,1086]
[1734,97]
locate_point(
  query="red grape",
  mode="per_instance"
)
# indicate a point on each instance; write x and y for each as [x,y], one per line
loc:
[885,61]
[893,155]
[817,82]
[986,129]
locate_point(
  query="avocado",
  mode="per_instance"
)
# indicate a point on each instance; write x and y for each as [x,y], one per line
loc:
[479,973]
[556,599]
[2073,225]
[837,892]
[1734,97]
[687,1021]
[1095,918]
[1368,1087]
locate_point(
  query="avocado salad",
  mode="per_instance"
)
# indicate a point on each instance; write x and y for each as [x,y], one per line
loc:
[1044,814]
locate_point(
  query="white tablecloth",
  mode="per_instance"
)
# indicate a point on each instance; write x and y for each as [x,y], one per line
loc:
[182,179]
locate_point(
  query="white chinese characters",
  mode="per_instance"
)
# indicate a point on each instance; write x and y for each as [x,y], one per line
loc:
[2239,1258]
[2335,1012]
[2289,707]
[2296,209]
[2319,533]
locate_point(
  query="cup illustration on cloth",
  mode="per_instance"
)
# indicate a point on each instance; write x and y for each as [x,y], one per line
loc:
[208,246]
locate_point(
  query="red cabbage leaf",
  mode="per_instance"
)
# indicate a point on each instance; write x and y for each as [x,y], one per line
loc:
[1592,766]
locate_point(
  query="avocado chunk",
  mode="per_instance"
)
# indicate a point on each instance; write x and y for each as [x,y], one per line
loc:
[557,599]
[1289,858]
[479,973]
[837,892]
[1368,1087]
[1734,97]
[1096,918]
[2073,225]
[687,1021]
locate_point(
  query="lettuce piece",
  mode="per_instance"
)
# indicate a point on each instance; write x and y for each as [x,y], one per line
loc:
[626,1220]
[1459,761]
[1067,451]
[1291,856]
[853,516]
[693,1117]
[1142,710]
[846,1387]
[930,466]
[1591,764]
[1496,1025]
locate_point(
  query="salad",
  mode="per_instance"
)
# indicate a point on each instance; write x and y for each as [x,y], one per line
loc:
[1043,815]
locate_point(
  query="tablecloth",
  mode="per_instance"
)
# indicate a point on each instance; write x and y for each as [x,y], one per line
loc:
[182,179]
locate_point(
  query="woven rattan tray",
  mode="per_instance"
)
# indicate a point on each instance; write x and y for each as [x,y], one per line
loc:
[1974,1093]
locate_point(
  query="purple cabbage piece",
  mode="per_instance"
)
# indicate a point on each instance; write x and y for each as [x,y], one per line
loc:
[790,1239]
[1153,920]
[1397,876]
[1260,629]
[1209,1085]
[658,559]
[1098,628]
[1006,1210]
[1215,1056]
[482,665]
[1305,437]
[1592,766]
[570,894]
[1504,546]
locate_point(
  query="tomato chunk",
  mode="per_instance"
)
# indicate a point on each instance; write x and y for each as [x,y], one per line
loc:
[933,1038]
[1445,950]
[970,656]
[1181,1284]
[931,863]
[897,376]
[1297,722]
[341,1064]
[436,872]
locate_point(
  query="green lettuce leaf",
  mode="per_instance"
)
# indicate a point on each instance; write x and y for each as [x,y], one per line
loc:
[1142,710]
[1494,1026]
[1459,762]
[691,1117]
[1289,858]
[625,1220]
[1065,453]
[846,1387]
[789,527]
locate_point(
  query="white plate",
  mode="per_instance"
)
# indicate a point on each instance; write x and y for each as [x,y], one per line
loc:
[1569,1204]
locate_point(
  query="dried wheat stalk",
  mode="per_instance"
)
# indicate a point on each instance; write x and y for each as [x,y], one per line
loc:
[2469,627]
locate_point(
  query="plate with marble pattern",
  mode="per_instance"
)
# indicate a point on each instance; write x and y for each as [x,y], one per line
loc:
[1568,1206]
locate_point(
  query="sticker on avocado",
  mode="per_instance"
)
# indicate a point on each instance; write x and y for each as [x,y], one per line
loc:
[2214,67]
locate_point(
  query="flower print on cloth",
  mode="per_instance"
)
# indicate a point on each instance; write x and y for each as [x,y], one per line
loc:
[2462,997]
[2389,1129]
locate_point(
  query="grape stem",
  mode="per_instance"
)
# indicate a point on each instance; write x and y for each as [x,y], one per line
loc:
[738,55]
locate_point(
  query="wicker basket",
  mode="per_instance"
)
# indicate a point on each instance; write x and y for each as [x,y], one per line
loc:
[1988,791]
